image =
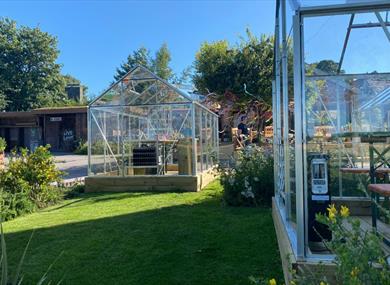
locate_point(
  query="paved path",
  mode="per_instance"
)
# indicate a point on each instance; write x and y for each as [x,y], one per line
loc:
[74,165]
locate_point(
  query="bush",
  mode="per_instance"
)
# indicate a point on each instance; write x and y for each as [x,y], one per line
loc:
[250,182]
[28,181]
[3,144]
[14,196]
[75,191]
[359,257]
[81,148]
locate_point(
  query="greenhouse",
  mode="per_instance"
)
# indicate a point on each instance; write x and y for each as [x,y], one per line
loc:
[144,126]
[331,100]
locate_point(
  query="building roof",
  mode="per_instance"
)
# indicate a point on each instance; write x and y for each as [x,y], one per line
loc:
[140,87]
[45,111]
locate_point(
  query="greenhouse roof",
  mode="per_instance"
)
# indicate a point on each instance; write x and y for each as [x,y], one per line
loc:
[141,87]
[308,4]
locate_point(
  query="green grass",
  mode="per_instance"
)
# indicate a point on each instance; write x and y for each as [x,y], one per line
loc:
[146,238]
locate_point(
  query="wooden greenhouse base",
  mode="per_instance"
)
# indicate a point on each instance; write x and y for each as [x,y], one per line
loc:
[149,183]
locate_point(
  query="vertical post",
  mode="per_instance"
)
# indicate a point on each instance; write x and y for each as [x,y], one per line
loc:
[89,138]
[216,120]
[339,141]
[194,154]
[372,181]
[274,144]
[280,162]
[298,94]
[285,113]
[201,140]
[105,141]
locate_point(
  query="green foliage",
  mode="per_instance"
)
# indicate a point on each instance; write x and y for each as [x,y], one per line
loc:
[250,181]
[29,75]
[27,183]
[222,68]
[161,63]
[359,256]
[141,56]
[14,196]
[81,148]
[3,144]
[75,191]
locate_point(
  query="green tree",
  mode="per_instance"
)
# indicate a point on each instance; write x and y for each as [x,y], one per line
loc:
[221,68]
[161,63]
[140,56]
[29,74]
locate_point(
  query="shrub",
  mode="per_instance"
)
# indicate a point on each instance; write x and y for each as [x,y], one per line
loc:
[3,144]
[250,182]
[359,257]
[38,169]
[81,148]
[75,191]
[28,182]
[14,196]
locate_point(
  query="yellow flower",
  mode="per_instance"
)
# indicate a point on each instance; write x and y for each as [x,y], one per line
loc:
[332,212]
[354,272]
[323,283]
[272,281]
[344,211]
[292,282]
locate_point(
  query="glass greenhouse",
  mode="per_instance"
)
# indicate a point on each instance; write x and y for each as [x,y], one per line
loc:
[142,125]
[331,111]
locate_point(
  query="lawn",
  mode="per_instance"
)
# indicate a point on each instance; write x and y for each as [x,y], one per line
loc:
[146,238]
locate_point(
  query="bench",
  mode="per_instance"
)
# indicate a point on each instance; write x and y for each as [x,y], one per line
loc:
[381,189]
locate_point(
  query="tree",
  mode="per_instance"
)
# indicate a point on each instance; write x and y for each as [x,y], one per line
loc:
[220,68]
[140,56]
[161,63]
[29,74]
[242,74]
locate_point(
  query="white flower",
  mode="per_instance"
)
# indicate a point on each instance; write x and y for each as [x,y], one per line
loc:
[256,179]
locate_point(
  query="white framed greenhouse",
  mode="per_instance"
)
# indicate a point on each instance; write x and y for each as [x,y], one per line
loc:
[331,106]
[145,126]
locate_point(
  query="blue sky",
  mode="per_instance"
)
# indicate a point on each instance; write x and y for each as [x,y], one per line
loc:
[94,37]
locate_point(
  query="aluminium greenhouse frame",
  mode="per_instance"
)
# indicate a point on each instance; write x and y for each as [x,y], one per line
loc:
[297,232]
[144,112]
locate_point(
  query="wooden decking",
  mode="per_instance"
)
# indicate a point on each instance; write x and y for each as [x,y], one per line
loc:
[383,229]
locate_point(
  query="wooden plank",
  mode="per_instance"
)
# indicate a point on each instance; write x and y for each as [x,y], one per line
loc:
[381,189]
[284,244]
[357,207]
[157,188]
[366,225]
[141,183]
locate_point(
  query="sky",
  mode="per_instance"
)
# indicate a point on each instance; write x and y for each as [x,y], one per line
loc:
[95,37]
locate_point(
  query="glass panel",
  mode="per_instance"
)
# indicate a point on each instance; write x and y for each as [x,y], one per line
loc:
[309,3]
[347,94]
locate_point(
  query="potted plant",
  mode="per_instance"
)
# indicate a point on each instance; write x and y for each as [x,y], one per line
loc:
[3,145]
